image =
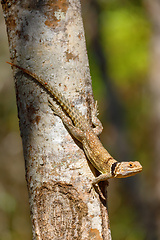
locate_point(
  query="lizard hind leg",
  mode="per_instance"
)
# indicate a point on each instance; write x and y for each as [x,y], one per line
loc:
[55,109]
[96,122]
[76,132]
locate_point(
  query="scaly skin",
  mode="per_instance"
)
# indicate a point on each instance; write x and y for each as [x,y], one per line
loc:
[80,128]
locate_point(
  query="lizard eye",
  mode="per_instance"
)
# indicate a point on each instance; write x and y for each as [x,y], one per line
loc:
[131,165]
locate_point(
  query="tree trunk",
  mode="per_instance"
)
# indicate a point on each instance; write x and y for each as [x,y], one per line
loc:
[47,38]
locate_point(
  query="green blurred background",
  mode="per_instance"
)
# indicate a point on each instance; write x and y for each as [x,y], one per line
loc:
[118,37]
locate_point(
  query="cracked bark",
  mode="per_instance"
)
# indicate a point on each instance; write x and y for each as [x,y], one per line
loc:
[47,37]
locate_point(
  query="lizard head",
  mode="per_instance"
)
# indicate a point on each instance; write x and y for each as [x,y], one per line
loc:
[126,169]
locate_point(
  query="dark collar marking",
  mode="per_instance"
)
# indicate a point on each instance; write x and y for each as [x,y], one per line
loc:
[113,168]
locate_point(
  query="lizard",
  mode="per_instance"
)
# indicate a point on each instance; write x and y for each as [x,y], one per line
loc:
[87,134]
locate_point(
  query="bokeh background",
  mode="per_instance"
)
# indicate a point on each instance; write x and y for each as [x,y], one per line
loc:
[120,46]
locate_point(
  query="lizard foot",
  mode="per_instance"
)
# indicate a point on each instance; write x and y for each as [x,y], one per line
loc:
[98,191]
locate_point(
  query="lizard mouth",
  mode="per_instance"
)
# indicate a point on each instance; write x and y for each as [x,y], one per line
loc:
[140,169]
[137,166]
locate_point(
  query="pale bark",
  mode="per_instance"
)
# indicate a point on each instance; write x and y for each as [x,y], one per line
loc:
[47,37]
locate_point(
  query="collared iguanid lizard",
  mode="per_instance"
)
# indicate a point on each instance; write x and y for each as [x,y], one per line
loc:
[82,130]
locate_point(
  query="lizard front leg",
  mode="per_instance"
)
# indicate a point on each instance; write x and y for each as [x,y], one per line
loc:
[102,177]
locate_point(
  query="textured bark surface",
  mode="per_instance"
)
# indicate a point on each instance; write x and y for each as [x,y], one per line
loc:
[47,37]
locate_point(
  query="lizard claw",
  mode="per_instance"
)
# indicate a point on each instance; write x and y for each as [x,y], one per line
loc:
[54,109]
[98,190]
[95,110]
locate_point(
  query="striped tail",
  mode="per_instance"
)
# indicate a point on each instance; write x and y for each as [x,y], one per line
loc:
[73,112]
